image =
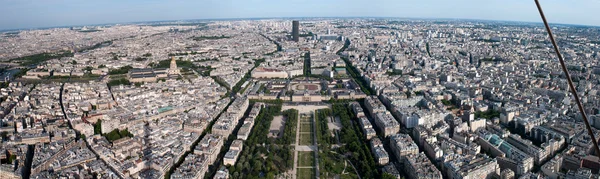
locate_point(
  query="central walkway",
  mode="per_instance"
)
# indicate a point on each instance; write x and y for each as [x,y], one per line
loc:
[302,145]
[306,150]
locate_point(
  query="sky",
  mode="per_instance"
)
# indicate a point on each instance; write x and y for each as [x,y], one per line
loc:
[19,14]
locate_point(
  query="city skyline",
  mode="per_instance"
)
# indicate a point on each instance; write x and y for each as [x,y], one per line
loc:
[325,98]
[34,14]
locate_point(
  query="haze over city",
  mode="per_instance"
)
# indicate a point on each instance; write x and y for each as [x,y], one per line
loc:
[20,14]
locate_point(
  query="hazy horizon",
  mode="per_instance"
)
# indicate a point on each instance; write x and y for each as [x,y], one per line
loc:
[32,14]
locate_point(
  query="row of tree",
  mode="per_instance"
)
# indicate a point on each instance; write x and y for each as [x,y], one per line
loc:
[116,134]
[117,82]
[289,131]
[355,147]
[40,58]
[261,156]
[119,71]
[357,77]
[331,163]
[238,86]
[113,135]
[323,137]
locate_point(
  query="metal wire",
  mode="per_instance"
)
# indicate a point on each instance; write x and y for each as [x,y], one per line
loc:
[566,71]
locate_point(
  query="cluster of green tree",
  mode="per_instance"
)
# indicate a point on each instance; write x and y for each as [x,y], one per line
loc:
[88,69]
[289,131]
[261,87]
[85,76]
[355,148]
[119,71]
[185,53]
[42,57]
[427,48]
[327,78]
[346,45]
[357,77]
[257,62]
[96,46]
[309,34]
[11,159]
[489,114]
[263,160]
[238,85]
[540,76]
[261,127]
[205,70]
[220,81]
[576,68]
[332,164]
[20,73]
[117,82]
[307,63]
[180,64]
[394,73]
[419,93]
[98,127]
[277,102]
[139,59]
[147,55]
[116,135]
[59,77]
[279,48]
[251,163]
[195,143]
[90,30]
[446,102]
[485,40]
[4,84]
[323,138]
[210,37]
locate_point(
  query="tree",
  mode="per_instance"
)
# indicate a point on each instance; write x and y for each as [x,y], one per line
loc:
[387,176]
[88,69]
[121,81]
[122,70]
[74,62]
[98,127]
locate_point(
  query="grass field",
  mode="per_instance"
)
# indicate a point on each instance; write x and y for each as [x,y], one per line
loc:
[306,139]
[305,119]
[306,127]
[306,173]
[306,159]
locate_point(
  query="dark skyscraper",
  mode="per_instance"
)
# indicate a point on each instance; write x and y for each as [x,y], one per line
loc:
[295,30]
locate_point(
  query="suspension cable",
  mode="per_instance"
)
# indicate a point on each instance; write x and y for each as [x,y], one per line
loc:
[566,71]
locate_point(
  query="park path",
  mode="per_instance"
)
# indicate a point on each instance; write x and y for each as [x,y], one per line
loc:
[294,170]
[310,110]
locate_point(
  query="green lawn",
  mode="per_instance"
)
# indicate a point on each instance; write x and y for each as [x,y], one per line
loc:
[306,139]
[306,127]
[306,173]
[331,165]
[305,119]
[306,159]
